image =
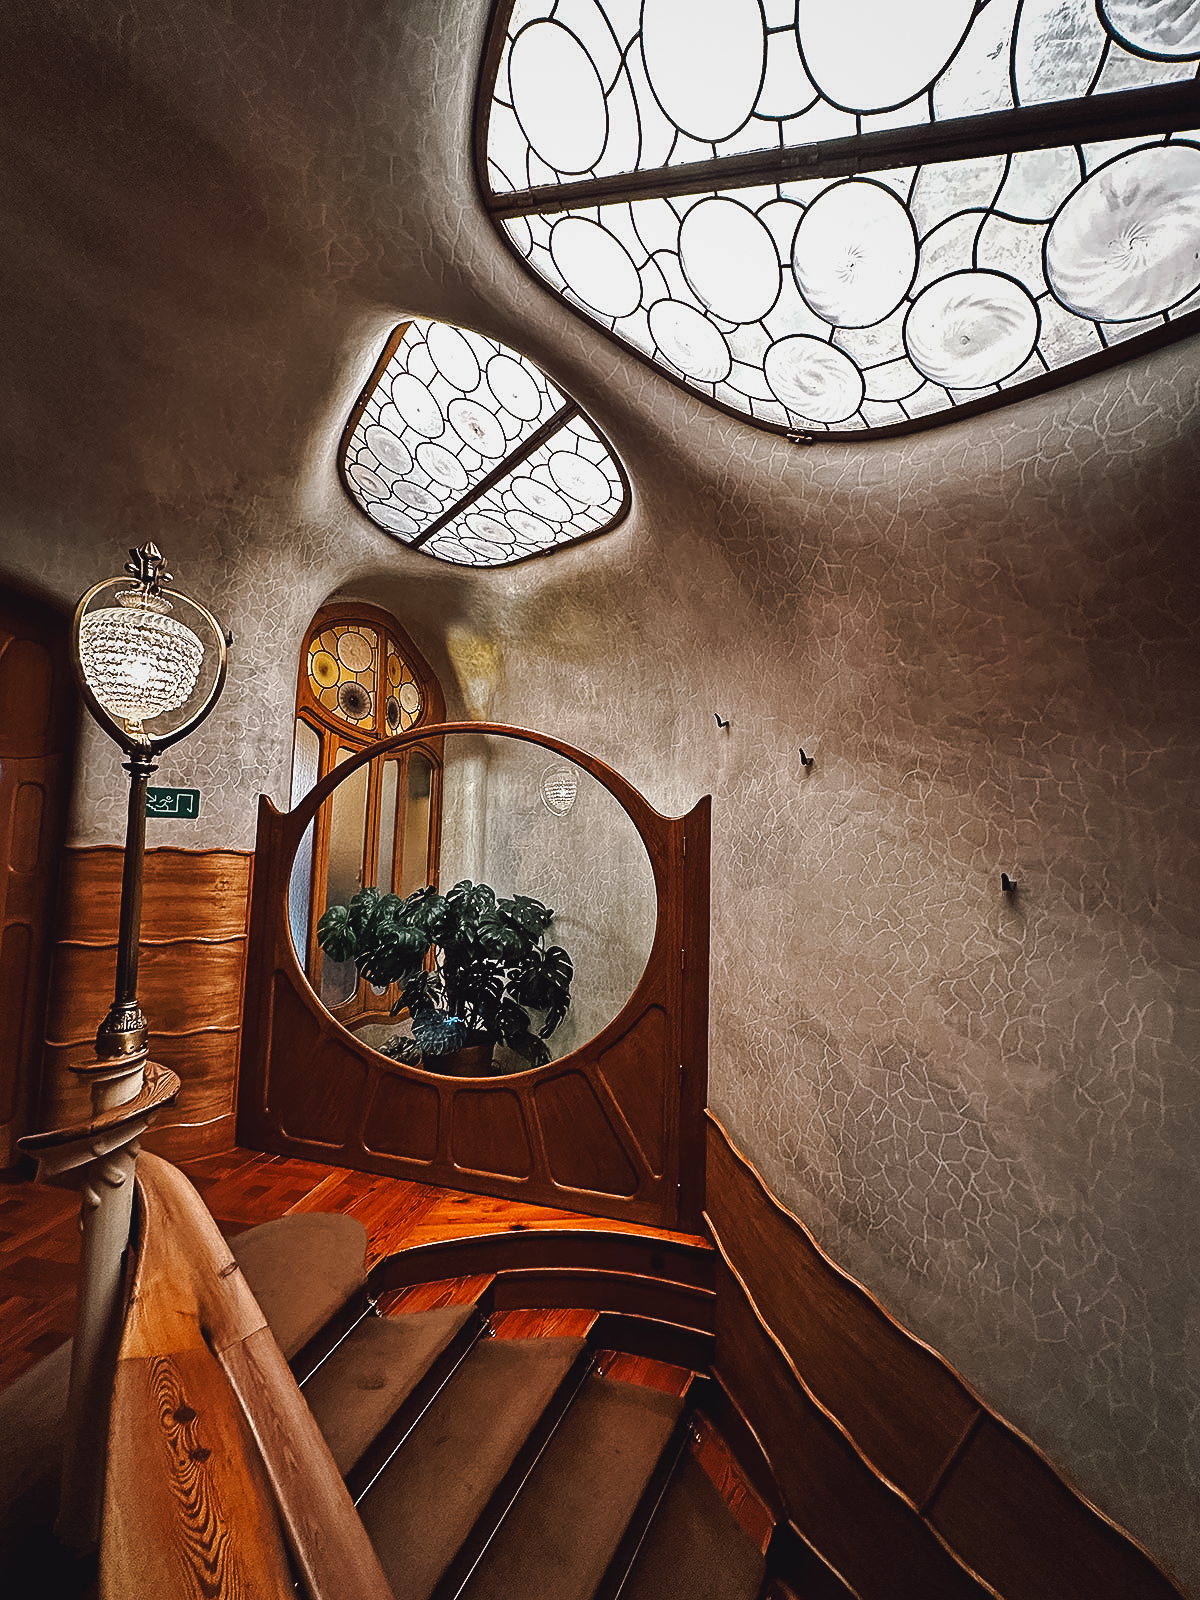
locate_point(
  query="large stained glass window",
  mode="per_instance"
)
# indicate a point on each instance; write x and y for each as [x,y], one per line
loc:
[833,218]
[462,448]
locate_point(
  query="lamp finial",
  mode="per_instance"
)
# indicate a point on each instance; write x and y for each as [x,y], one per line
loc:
[148,565]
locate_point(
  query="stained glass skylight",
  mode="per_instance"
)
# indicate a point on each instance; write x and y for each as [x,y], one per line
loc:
[464,449]
[841,217]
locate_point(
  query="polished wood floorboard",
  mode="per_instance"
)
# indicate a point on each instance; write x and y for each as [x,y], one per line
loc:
[39,1233]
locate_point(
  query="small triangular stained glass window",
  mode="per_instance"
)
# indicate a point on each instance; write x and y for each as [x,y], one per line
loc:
[463,449]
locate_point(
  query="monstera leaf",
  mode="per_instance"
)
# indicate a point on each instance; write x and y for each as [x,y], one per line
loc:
[470,967]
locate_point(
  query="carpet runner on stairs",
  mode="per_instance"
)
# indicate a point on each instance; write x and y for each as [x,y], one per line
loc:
[425,1508]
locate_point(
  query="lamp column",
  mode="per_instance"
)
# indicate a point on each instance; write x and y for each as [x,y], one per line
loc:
[136,663]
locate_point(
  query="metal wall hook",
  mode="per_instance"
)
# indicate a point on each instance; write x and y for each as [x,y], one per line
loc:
[722,722]
[1007,884]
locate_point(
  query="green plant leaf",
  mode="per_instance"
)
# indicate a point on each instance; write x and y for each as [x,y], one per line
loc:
[335,934]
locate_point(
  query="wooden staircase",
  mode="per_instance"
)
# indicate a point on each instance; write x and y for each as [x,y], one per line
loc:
[486,1462]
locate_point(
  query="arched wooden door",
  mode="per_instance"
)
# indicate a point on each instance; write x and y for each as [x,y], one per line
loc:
[614,1128]
[38,708]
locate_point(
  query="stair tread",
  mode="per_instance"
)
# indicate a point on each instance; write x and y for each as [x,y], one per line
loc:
[356,1391]
[568,1520]
[695,1549]
[302,1269]
[423,1505]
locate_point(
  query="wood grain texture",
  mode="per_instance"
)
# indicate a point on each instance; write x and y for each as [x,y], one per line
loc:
[721,1466]
[858,1525]
[1009,1514]
[614,1128]
[190,1303]
[903,1407]
[645,1371]
[191,983]
[187,1509]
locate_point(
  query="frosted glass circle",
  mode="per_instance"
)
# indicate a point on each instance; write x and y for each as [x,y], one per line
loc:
[704,60]
[579,478]
[1126,244]
[530,527]
[441,465]
[417,406]
[870,55]
[393,519]
[558,97]
[689,341]
[411,494]
[476,426]
[729,259]
[369,482]
[514,387]
[1169,29]
[488,528]
[814,379]
[596,266]
[971,329]
[452,355]
[539,497]
[385,447]
[855,254]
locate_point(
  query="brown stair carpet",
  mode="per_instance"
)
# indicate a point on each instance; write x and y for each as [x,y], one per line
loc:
[567,1523]
[356,1391]
[302,1269]
[695,1549]
[424,1504]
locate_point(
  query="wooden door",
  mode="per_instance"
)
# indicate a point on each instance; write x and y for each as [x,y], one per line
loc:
[38,708]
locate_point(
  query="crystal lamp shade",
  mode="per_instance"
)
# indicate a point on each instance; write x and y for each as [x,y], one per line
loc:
[137,660]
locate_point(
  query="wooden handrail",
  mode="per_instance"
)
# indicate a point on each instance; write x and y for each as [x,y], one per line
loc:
[214,1458]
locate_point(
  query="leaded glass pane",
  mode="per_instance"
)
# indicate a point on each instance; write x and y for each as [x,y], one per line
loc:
[568,487]
[342,670]
[590,88]
[449,423]
[888,292]
[944,284]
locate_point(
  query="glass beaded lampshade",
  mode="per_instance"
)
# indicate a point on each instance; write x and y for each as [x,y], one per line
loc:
[137,659]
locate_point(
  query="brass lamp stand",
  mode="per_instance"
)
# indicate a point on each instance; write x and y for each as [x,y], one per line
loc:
[137,663]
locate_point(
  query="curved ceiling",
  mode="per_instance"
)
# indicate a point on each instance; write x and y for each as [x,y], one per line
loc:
[829,239]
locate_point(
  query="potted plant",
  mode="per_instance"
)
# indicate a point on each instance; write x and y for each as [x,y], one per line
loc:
[471,968]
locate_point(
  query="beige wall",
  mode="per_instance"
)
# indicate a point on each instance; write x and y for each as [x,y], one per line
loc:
[986,635]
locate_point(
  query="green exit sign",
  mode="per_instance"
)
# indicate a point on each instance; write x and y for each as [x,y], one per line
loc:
[172,802]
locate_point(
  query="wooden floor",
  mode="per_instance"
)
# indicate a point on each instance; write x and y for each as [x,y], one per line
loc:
[39,1234]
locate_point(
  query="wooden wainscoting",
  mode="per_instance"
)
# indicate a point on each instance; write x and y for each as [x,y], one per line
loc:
[864,1426]
[191,981]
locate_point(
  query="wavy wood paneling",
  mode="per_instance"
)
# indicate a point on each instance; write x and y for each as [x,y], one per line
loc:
[191,981]
[834,1386]
[615,1128]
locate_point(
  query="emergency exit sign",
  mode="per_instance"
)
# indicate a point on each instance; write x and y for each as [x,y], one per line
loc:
[173,803]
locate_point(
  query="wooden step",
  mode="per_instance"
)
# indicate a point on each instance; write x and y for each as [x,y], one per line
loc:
[569,1520]
[465,1458]
[695,1548]
[308,1273]
[361,1389]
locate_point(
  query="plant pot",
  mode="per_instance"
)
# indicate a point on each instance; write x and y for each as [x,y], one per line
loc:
[472,1061]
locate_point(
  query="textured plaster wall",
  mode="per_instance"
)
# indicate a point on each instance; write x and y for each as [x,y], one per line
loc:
[987,635]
